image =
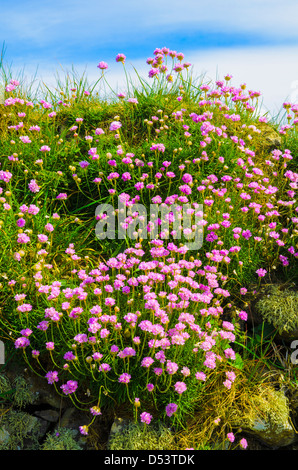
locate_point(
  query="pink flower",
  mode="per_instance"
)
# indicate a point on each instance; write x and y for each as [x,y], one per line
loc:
[42,238]
[49,227]
[243,443]
[124,378]
[52,376]
[145,417]
[23,238]
[62,196]
[69,387]
[84,430]
[110,301]
[200,376]
[187,178]
[243,315]
[231,437]
[261,272]
[153,72]
[230,353]
[171,408]
[115,125]
[22,342]
[132,100]
[45,148]
[25,139]
[180,387]
[102,65]
[120,58]
[147,362]
[84,164]
[231,375]
[172,367]
[227,384]
[104,367]
[5,176]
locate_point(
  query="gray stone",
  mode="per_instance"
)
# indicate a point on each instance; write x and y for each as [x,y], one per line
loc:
[4,436]
[48,415]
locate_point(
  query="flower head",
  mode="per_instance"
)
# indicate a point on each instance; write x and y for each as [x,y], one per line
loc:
[102,65]
[145,417]
[171,408]
[120,58]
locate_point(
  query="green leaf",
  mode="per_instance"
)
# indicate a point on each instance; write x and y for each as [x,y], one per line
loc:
[238,363]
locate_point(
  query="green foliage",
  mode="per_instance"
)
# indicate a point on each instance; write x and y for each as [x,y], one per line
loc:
[18,393]
[23,395]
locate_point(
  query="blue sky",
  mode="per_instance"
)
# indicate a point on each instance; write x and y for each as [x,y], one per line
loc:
[256,41]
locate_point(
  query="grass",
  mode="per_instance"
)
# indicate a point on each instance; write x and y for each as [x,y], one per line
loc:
[178,320]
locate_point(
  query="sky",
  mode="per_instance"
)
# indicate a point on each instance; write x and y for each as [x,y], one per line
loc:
[256,41]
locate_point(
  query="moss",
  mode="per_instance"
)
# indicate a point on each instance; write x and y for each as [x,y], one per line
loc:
[267,415]
[280,308]
[134,436]
[20,427]
[63,439]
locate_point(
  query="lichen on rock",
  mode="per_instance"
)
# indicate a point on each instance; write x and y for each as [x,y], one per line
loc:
[267,417]
[280,308]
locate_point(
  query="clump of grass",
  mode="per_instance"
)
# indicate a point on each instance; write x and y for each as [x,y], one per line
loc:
[16,393]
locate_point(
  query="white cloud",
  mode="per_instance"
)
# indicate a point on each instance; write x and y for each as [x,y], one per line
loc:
[273,71]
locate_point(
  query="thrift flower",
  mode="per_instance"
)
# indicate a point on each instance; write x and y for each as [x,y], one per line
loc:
[243,443]
[171,408]
[52,377]
[124,378]
[145,417]
[69,387]
[102,65]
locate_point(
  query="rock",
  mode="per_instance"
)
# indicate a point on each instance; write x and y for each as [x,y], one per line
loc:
[118,425]
[268,418]
[4,436]
[72,419]
[67,418]
[45,393]
[270,138]
[48,415]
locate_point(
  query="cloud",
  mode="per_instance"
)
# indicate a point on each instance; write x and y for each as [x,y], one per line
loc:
[75,25]
[256,40]
[271,70]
